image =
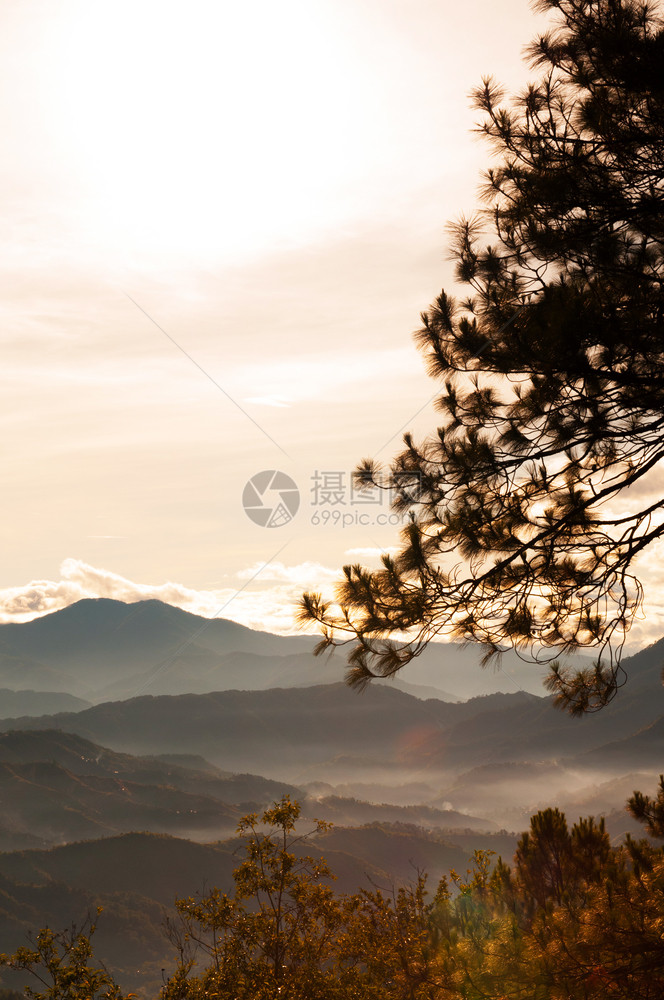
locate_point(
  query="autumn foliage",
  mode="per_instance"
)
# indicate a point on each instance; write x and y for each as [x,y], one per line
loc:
[572,917]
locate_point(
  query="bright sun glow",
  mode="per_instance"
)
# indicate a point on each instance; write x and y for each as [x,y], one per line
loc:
[214,126]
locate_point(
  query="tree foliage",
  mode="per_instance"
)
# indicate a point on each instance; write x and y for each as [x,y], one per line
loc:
[273,936]
[553,378]
[62,963]
[285,935]
[573,918]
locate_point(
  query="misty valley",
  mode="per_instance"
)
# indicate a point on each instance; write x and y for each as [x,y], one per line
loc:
[135,737]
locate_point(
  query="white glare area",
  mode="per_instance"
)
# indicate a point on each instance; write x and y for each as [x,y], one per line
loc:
[211,126]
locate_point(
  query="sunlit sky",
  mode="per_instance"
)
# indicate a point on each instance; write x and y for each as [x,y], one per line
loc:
[221,222]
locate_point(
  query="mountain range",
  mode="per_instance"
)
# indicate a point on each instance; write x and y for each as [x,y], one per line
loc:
[104,650]
[333,732]
[133,738]
[268,716]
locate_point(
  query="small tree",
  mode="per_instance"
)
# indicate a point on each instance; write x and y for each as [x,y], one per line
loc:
[285,935]
[553,374]
[62,962]
[574,917]
[275,936]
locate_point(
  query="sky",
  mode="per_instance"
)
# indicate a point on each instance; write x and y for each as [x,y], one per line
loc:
[221,223]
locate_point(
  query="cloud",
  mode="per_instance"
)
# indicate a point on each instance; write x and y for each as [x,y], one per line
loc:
[269,605]
[79,580]
[303,576]
[264,598]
